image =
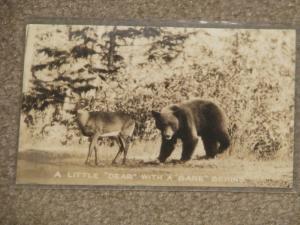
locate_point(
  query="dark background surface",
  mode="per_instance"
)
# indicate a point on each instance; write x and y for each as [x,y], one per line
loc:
[36,205]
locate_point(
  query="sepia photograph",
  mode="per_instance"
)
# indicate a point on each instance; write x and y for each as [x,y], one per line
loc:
[157,106]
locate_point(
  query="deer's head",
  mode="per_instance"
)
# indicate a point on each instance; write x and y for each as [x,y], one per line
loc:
[82,113]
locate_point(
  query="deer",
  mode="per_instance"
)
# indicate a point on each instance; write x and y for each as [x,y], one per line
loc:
[98,124]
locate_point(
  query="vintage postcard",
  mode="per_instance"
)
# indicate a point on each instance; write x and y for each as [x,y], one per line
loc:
[157,106]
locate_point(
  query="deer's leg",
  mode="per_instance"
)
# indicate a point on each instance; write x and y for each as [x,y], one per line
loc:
[89,152]
[121,149]
[93,147]
[96,156]
[116,157]
[125,144]
[96,145]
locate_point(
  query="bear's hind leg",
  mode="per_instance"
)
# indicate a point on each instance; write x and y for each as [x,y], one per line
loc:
[188,148]
[224,141]
[210,146]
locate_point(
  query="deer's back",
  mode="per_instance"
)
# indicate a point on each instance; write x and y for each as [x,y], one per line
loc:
[107,122]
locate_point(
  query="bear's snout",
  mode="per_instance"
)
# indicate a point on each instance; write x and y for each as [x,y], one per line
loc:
[168,133]
[168,137]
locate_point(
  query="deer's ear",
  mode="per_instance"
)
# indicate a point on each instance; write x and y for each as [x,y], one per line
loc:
[155,114]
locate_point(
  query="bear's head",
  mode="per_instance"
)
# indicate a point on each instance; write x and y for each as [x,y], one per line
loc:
[166,122]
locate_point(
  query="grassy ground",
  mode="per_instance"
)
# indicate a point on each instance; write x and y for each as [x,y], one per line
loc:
[45,167]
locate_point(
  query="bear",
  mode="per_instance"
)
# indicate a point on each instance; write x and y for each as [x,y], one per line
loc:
[188,121]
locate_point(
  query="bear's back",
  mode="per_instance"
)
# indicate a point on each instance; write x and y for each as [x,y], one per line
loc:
[205,114]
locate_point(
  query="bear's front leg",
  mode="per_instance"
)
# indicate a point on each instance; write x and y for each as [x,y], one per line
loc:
[188,148]
[167,147]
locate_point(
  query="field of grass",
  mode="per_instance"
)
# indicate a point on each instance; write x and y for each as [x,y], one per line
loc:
[67,167]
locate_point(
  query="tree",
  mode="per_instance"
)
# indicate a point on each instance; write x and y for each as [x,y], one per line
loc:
[70,72]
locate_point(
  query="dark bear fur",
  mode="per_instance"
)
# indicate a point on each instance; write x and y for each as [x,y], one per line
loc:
[187,121]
